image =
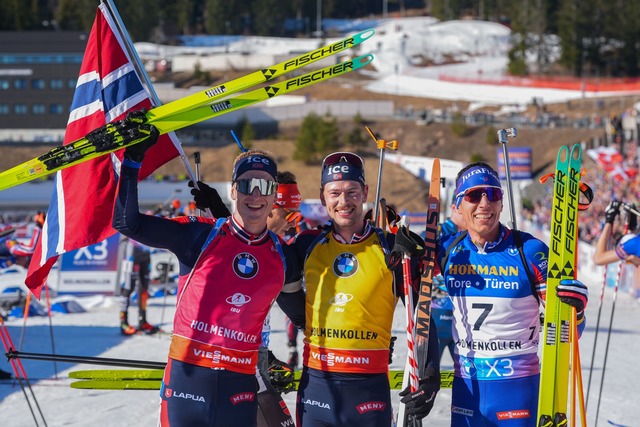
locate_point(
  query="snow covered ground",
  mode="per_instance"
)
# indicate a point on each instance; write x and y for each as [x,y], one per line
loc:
[96,333]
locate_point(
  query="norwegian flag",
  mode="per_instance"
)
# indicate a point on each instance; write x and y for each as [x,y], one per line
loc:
[81,206]
[610,159]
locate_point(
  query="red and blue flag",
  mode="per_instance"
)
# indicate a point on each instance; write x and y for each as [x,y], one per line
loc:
[81,206]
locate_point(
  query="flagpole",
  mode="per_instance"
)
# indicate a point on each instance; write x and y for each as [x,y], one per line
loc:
[137,63]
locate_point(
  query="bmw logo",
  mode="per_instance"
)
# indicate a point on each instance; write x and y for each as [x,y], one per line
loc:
[245,265]
[345,265]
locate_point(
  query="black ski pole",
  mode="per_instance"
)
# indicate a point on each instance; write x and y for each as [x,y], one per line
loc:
[381,144]
[595,340]
[503,137]
[606,347]
[129,363]
[21,374]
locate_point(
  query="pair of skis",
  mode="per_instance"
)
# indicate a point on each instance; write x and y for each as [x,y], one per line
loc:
[151,379]
[559,318]
[195,108]
[418,329]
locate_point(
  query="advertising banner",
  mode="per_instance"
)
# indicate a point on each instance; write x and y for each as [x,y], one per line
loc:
[90,270]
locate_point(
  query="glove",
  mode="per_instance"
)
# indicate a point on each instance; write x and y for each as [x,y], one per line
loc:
[281,374]
[406,242]
[136,152]
[420,402]
[574,293]
[208,198]
[611,211]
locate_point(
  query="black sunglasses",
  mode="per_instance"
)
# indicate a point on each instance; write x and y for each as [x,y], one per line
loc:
[474,195]
[264,186]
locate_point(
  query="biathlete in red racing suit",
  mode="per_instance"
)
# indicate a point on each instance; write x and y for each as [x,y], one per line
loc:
[229,278]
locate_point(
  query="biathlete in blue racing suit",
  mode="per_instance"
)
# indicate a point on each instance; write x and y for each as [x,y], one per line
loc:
[496,321]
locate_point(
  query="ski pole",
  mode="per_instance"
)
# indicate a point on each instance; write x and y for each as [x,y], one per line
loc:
[630,209]
[578,371]
[129,363]
[242,149]
[503,137]
[382,219]
[595,339]
[144,77]
[606,347]
[381,144]
[20,374]
[196,160]
[171,196]
[53,344]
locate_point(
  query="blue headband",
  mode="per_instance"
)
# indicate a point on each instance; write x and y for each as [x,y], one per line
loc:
[254,162]
[477,176]
[342,171]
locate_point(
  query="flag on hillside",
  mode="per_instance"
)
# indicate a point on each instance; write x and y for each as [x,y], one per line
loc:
[81,206]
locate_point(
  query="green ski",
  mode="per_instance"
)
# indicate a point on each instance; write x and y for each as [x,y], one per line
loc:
[554,374]
[150,379]
[117,385]
[188,111]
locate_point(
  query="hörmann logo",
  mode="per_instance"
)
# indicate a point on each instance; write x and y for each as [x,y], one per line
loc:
[317,54]
[319,75]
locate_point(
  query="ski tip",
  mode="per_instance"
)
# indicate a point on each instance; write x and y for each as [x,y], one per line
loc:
[363,60]
[366,34]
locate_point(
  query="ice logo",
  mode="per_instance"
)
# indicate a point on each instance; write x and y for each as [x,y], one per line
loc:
[341,299]
[512,250]
[345,265]
[245,265]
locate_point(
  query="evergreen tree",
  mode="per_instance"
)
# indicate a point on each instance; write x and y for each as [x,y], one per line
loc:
[268,17]
[75,15]
[355,137]
[306,148]
[225,16]
[329,136]
[247,132]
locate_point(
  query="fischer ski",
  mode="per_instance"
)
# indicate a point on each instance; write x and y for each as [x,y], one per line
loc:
[556,347]
[117,385]
[118,374]
[264,75]
[151,379]
[134,128]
